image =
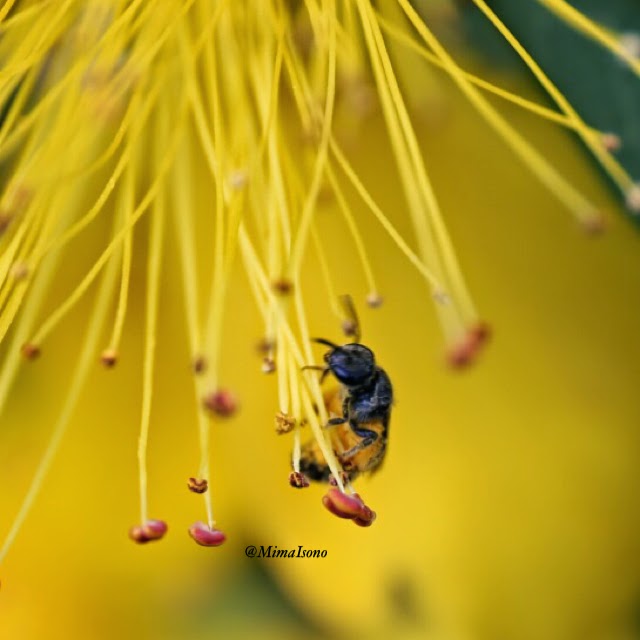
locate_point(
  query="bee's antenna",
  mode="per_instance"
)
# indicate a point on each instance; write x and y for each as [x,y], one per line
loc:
[327,343]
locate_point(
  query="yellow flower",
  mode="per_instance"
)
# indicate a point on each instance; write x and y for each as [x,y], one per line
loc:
[182,158]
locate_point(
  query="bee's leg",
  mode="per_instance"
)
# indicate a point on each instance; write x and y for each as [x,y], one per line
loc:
[334,422]
[313,367]
[368,438]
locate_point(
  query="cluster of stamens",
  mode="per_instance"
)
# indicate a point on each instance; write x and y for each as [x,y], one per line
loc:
[149,97]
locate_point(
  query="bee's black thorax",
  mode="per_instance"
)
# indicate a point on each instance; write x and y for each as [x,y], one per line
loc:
[371,401]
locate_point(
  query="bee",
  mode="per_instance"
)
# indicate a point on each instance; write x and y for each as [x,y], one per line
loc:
[361,405]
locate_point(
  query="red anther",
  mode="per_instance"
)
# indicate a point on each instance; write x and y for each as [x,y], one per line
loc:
[205,535]
[149,531]
[155,529]
[326,501]
[343,505]
[222,403]
[30,351]
[197,486]
[463,353]
[366,518]
[374,300]
[480,334]
[298,480]
[109,358]
[138,535]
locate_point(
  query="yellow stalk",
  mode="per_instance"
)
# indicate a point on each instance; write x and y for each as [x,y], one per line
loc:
[151,320]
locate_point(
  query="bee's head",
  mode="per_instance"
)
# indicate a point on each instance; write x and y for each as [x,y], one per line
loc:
[352,364]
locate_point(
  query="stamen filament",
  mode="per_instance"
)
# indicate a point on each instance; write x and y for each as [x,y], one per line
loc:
[151,320]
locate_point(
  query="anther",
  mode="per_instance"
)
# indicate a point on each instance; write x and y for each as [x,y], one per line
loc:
[594,225]
[349,328]
[206,536]
[461,354]
[149,531]
[282,286]
[633,198]
[197,486]
[199,365]
[221,403]
[298,480]
[464,352]
[109,358]
[480,334]
[611,141]
[630,42]
[344,505]
[30,351]
[265,346]
[374,300]
[366,517]
[284,423]
[268,365]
